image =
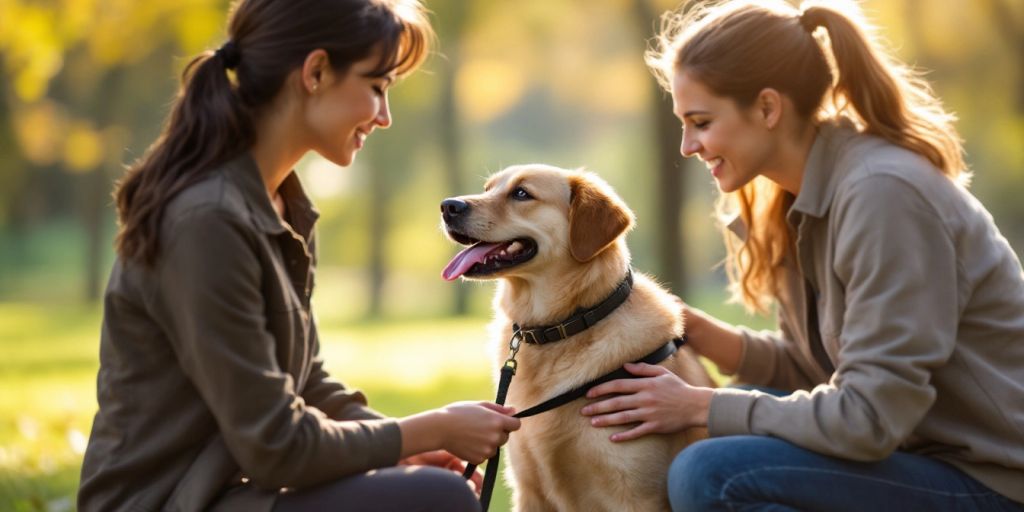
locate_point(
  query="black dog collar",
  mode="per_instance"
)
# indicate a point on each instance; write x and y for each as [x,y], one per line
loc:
[579,321]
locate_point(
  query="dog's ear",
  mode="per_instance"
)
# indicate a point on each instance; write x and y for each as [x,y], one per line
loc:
[597,217]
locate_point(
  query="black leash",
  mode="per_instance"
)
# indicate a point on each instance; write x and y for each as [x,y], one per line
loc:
[508,370]
[491,473]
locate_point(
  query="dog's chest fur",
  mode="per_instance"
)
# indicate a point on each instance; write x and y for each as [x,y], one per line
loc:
[557,454]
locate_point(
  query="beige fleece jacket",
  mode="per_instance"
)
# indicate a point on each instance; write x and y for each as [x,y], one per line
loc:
[921,312]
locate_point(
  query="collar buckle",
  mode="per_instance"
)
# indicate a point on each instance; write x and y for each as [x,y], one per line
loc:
[588,317]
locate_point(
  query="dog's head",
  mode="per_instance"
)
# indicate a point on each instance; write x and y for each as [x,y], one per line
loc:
[530,216]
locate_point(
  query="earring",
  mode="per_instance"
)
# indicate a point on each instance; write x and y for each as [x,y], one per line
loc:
[315,86]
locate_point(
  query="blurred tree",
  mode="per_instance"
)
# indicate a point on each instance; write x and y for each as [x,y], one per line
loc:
[85,84]
[70,102]
[451,24]
[668,184]
[379,223]
[1009,24]
[973,54]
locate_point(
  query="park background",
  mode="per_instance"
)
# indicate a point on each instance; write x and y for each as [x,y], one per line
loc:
[85,85]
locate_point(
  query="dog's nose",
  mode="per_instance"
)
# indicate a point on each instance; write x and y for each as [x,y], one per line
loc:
[451,208]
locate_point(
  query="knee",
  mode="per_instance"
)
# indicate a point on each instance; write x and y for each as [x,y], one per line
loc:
[696,476]
[446,490]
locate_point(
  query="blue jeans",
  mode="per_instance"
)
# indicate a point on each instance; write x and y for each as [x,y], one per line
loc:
[769,474]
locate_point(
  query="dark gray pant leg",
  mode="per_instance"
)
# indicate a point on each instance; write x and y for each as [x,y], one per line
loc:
[402,488]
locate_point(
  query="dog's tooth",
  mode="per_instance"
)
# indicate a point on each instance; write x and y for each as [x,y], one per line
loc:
[514,247]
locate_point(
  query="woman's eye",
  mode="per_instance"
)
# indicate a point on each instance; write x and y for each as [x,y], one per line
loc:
[701,125]
[378,90]
[520,194]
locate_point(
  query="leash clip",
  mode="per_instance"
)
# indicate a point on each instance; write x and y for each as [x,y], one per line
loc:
[513,348]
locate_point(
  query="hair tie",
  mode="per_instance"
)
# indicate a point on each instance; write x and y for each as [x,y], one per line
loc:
[229,54]
[809,21]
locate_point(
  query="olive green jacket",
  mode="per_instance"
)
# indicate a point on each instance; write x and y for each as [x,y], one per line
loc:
[921,309]
[209,361]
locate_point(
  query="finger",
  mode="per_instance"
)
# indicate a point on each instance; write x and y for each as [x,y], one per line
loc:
[633,433]
[619,418]
[617,386]
[645,370]
[477,479]
[608,405]
[455,465]
[435,458]
[503,409]
[512,424]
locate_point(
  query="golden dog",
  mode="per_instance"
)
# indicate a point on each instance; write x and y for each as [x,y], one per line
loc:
[555,241]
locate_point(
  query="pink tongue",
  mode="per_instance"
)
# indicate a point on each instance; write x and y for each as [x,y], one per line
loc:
[465,259]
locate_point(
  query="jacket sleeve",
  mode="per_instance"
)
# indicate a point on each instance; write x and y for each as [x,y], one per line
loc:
[897,261]
[332,397]
[773,359]
[209,302]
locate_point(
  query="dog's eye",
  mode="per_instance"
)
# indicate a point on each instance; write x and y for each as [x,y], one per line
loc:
[520,194]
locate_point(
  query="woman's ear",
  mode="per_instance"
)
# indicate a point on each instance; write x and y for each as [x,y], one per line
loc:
[597,217]
[314,68]
[769,107]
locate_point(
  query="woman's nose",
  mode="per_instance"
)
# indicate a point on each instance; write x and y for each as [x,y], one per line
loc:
[383,118]
[689,146]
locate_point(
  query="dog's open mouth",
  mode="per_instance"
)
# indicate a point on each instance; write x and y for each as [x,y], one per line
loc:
[483,258]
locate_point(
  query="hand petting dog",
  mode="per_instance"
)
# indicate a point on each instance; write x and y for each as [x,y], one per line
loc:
[658,402]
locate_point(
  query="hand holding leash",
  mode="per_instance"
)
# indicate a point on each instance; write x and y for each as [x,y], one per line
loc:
[475,430]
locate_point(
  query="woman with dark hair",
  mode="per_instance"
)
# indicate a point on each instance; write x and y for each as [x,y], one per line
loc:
[211,390]
[896,378]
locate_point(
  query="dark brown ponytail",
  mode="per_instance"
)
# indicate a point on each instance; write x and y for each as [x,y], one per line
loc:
[207,125]
[213,117]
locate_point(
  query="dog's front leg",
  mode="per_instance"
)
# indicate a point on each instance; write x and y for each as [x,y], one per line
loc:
[531,500]
[527,488]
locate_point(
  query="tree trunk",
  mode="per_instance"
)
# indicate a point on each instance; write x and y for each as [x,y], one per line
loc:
[97,190]
[1012,30]
[451,148]
[668,187]
[671,194]
[92,216]
[453,17]
[378,229]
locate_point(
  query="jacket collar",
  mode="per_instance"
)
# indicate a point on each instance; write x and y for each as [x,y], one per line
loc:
[242,170]
[818,184]
[820,176]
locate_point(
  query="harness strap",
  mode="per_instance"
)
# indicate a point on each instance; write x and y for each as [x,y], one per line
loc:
[662,353]
[491,473]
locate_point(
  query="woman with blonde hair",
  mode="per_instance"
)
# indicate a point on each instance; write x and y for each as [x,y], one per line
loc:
[896,377]
[212,392]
